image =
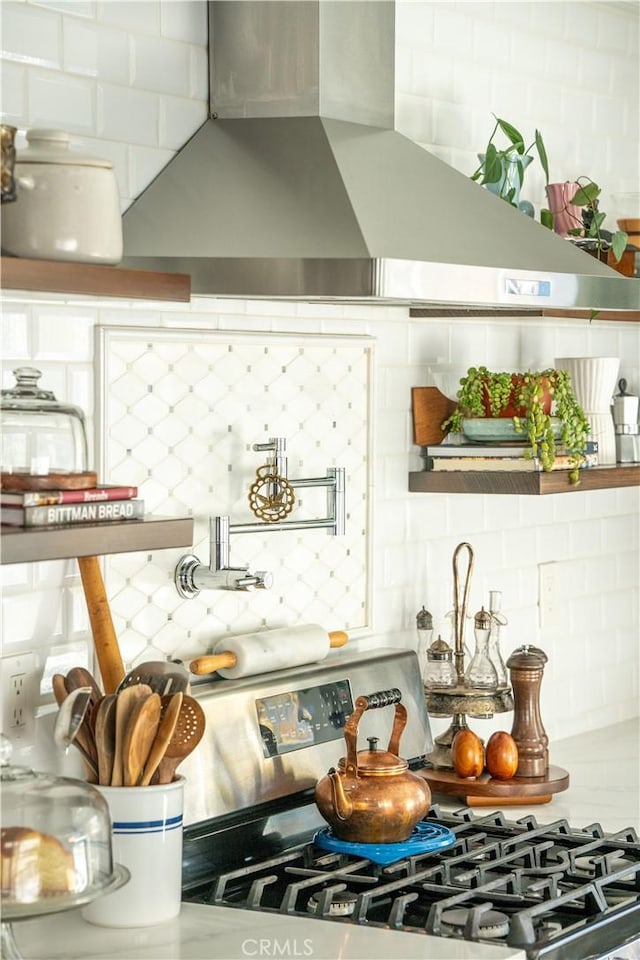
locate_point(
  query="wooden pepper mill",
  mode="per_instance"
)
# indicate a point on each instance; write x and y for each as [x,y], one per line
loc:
[526,666]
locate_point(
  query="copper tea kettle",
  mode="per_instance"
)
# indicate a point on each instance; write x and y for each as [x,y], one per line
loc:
[373,797]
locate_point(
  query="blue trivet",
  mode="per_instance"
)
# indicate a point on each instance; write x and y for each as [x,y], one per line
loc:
[426,838]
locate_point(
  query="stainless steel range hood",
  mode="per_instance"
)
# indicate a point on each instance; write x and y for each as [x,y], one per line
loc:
[298,186]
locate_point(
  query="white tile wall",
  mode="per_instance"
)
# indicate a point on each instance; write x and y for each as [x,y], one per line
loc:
[89,67]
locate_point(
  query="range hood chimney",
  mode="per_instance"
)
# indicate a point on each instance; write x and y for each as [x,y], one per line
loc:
[299,187]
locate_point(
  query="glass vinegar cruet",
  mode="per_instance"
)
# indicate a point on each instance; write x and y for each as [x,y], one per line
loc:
[497,620]
[481,672]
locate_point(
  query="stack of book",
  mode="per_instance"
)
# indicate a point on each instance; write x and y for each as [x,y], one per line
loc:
[505,457]
[100,504]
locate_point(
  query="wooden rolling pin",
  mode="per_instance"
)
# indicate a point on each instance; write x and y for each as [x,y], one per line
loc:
[269,650]
[104,636]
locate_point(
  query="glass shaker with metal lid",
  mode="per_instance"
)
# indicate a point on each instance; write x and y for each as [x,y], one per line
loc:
[439,671]
[39,434]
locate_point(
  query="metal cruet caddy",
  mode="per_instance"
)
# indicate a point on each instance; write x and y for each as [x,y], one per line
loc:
[463,698]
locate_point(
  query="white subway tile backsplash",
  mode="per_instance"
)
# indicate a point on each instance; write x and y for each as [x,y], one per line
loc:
[179,120]
[184,20]
[13,83]
[452,32]
[97,51]
[199,74]
[593,537]
[127,114]
[145,164]
[62,101]
[31,35]
[78,8]
[49,344]
[161,65]
[134,16]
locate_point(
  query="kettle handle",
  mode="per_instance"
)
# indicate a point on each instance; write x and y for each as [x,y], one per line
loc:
[374,701]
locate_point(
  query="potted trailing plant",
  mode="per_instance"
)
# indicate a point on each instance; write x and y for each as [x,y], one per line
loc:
[502,170]
[528,399]
[587,196]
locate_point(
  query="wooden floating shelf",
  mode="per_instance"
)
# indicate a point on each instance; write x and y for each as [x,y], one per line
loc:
[493,313]
[537,484]
[28,544]
[88,279]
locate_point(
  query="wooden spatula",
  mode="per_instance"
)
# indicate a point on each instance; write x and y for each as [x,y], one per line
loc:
[124,705]
[169,717]
[140,734]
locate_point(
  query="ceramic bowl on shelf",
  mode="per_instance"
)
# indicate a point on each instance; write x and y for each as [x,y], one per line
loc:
[500,429]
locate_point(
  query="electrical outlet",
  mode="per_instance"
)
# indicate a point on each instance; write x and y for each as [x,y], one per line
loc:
[548,595]
[19,693]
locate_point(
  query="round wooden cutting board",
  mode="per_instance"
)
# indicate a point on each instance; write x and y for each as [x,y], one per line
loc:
[48,481]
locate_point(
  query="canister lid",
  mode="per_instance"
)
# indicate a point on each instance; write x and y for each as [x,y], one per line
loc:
[439,650]
[424,620]
[27,395]
[52,146]
[482,619]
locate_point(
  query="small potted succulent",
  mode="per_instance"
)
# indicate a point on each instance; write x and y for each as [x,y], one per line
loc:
[532,400]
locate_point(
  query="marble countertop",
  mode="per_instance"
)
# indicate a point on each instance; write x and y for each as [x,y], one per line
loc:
[604,768]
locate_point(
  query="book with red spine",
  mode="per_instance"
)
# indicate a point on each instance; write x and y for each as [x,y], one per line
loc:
[61,513]
[46,498]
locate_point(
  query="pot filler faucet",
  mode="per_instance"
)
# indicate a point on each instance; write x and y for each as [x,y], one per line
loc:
[271,498]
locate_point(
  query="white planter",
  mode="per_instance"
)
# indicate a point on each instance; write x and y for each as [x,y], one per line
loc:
[594,382]
[67,206]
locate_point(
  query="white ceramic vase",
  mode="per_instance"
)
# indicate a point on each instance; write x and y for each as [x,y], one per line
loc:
[594,382]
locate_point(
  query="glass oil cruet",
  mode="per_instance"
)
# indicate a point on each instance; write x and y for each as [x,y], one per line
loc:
[481,672]
[424,633]
[497,620]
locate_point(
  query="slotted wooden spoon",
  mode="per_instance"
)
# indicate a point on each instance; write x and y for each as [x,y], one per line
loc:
[187,735]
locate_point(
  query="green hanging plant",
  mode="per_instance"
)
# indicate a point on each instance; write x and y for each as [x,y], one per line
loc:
[527,399]
[587,196]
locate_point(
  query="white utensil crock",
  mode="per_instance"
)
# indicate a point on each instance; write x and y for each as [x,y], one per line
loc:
[147,839]
[594,383]
[67,205]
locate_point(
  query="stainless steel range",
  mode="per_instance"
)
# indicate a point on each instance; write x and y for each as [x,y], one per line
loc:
[548,890]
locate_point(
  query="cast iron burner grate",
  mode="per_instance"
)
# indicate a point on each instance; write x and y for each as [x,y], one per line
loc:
[550,890]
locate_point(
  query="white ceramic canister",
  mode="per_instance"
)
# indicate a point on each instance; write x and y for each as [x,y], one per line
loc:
[67,205]
[147,840]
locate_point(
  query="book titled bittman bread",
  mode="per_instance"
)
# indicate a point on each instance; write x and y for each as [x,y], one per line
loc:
[100,512]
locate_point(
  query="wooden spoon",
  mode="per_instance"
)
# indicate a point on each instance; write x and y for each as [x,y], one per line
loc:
[171,705]
[140,734]
[125,703]
[105,734]
[186,737]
